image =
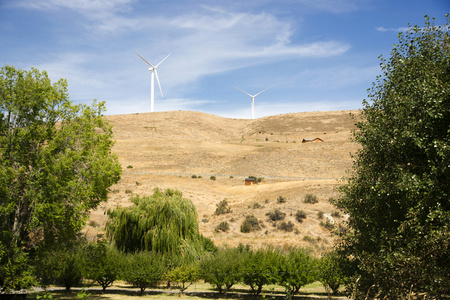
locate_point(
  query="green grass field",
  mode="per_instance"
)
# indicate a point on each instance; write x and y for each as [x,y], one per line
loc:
[197,291]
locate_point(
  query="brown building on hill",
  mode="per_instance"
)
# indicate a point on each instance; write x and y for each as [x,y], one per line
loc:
[250,181]
[316,140]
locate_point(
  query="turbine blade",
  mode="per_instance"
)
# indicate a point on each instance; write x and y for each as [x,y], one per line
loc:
[163,60]
[242,90]
[159,84]
[264,90]
[144,59]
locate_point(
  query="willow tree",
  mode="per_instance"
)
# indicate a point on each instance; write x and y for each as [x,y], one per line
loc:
[55,166]
[164,222]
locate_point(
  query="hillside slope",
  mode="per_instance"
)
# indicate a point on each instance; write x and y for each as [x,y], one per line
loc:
[165,149]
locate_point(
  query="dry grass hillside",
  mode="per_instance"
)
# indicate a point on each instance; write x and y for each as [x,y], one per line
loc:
[164,149]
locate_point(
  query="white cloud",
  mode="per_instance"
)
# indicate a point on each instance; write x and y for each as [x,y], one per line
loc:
[399,29]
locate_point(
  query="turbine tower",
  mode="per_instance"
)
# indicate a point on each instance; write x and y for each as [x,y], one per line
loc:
[253,98]
[153,74]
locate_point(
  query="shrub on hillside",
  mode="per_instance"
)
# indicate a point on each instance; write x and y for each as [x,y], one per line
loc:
[281,199]
[222,208]
[300,215]
[251,223]
[223,226]
[310,198]
[276,215]
[288,227]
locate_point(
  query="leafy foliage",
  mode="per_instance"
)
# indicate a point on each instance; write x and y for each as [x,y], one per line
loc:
[143,269]
[62,265]
[184,275]
[55,166]
[398,195]
[297,269]
[164,222]
[260,268]
[102,263]
[222,269]
[330,273]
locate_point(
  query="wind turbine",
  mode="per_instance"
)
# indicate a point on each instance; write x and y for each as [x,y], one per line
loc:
[253,98]
[154,73]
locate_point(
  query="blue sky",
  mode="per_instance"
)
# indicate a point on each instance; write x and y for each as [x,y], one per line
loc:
[319,54]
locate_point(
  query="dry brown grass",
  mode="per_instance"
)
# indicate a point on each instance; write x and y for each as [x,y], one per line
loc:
[166,148]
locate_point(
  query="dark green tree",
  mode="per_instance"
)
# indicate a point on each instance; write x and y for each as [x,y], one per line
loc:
[330,273]
[55,166]
[143,269]
[102,263]
[398,194]
[261,267]
[164,222]
[297,269]
[222,268]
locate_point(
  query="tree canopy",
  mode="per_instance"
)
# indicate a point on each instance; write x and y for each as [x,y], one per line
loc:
[55,165]
[164,222]
[398,194]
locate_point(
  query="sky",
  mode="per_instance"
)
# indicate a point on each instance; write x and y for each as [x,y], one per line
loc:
[318,55]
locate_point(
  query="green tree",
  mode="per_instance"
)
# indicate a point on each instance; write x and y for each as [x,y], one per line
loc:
[143,269]
[222,269]
[164,222]
[298,268]
[398,194]
[184,275]
[55,166]
[330,272]
[62,265]
[102,263]
[260,267]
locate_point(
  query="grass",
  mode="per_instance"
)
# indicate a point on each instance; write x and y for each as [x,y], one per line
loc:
[198,291]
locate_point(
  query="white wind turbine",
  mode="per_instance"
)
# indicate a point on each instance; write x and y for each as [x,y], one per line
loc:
[154,73]
[253,98]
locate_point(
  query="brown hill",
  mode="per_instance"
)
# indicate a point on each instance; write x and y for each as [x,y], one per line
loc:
[165,150]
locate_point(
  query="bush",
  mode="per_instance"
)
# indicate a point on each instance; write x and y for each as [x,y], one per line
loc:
[194,176]
[212,177]
[143,269]
[336,214]
[61,266]
[310,198]
[184,275]
[222,208]
[250,224]
[297,269]
[327,224]
[101,264]
[320,215]
[276,215]
[257,205]
[300,215]
[222,269]
[288,227]
[260,268]
[130,167]
[223,226]
[281,199]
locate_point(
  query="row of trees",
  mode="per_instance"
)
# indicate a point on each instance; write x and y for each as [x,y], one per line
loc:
[103,264]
